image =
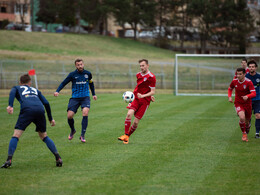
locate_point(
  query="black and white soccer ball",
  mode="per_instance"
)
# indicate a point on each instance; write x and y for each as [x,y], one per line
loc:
[128,97]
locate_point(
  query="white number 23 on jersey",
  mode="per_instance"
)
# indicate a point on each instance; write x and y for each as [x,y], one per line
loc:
[27,91]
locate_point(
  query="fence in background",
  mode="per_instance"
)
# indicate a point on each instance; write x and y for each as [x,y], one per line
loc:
[106,75]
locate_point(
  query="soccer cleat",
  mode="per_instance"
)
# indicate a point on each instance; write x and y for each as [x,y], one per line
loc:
[126,140]
[71,135]
[82,139]
[59,163]
[122,138]
[244,137]
[7,164]
[257,136]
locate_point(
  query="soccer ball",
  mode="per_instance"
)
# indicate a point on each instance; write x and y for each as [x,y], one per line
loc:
[128,97]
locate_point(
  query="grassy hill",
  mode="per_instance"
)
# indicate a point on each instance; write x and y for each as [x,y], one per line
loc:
[53,46]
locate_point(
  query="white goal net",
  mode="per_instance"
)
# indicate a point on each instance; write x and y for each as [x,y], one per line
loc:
[207,74]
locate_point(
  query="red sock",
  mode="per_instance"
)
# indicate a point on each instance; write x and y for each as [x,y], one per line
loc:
[132,130]
[248,128]
[127,125]
[242,126]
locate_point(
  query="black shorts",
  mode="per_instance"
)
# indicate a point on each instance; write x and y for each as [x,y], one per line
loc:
[26,117]
[74,103]
[256,106]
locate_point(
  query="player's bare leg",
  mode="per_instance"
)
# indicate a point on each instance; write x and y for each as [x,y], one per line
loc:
[70,116]
[12,147]
[50,144]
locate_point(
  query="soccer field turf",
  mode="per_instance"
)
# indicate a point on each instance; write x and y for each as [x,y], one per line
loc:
[183,145]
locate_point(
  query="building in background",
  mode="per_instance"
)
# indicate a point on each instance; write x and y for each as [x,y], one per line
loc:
[15,11]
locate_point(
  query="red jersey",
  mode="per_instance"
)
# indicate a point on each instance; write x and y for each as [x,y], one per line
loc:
[243,88]
[145,82]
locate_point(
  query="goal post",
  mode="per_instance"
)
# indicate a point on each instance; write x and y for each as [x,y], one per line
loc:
[206,74]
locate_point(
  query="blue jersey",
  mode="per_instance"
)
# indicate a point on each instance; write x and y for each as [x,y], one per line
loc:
[256,81]
[80,83]
[29,99]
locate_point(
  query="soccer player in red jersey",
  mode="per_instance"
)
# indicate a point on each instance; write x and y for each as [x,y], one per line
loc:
[144,91]
[244,91]
[243,65]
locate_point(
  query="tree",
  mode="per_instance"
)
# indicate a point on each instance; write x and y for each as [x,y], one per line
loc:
[223,23]
[96,12]
[141,12]
[22,6]
[48,11]
[236,23]
[134,12]
[205,12]
[165,10]
[120,10]
[67,10]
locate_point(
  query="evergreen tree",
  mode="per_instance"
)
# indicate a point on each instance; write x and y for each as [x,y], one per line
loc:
[205,11]
[48,11]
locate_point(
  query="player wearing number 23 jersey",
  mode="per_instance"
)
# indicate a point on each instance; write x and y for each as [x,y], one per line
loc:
[32,110]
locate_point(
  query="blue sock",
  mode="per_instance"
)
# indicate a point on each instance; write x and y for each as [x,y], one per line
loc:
[50,145]
[71,124]
[12,146]
[257,125]
[84,125]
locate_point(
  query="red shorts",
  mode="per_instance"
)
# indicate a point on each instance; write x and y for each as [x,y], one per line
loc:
[247,108]
[139,107]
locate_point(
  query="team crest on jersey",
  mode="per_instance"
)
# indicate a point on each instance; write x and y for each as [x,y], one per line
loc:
[258,80]
[145,79]
[86,76]
[244,86]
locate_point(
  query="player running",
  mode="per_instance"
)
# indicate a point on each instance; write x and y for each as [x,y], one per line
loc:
[255,78]
[143,92]
[32,110]
[81,81]
[244,91]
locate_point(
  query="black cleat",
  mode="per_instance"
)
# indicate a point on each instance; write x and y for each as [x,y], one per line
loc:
[257,136]
[59,163]
[7,164]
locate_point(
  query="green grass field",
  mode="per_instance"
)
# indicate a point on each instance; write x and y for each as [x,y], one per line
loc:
[59,46]
[183,145]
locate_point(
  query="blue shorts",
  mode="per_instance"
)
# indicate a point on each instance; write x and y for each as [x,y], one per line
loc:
[74,103]
[256,106]
[26,117]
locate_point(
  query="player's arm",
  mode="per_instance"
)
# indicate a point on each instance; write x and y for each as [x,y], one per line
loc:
[12,95]
[63,84]
[230,89]
[151,93]
[92,88]
[47,108]
[252,92]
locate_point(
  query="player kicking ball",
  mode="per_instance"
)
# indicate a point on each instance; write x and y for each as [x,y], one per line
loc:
[244,91]
[143,92]
[32,110]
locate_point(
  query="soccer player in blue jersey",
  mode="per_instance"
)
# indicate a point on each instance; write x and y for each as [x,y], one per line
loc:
[81,81]
[32,110]
[255,78]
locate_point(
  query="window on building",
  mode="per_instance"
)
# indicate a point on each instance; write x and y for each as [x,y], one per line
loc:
[3,10]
